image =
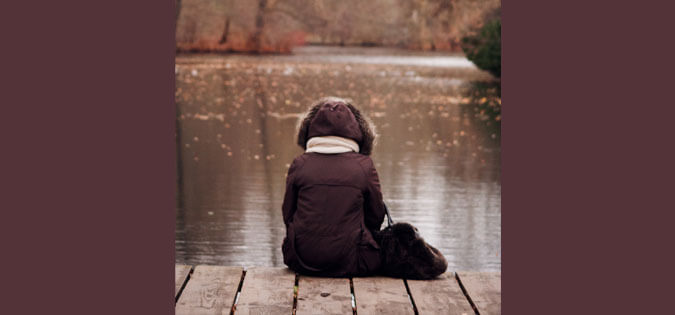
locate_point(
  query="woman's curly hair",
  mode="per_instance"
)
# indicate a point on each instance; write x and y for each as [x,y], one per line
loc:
[367,128]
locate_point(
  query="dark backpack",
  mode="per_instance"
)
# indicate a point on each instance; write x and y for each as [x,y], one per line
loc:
[405,254]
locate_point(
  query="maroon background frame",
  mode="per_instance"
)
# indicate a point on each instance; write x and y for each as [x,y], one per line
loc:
[88,157]
[587,160]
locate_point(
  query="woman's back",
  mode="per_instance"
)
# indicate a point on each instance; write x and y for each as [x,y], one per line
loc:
[332,203]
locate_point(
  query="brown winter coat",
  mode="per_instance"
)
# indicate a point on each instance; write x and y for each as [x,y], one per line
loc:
[333,203]
[332,206]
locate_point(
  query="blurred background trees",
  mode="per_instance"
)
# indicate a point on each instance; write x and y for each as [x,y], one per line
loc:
[275,26]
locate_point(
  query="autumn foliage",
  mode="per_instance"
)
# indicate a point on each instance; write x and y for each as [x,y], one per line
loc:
[264,26]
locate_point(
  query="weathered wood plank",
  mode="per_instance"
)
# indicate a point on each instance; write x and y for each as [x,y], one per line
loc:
[182,272]
[323,296]
[485,290]
[267,291]
[439,296]
[380,295]
[211,290]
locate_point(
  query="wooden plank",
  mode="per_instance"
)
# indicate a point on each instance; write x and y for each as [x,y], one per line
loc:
[211,290]
[323,296]
[485,290]
[267,290]
[439,296]
[380,295]
[182,272]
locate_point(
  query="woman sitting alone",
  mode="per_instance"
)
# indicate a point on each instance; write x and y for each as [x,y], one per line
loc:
[333,203]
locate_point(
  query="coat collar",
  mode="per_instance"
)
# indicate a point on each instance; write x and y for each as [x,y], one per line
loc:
[331,145]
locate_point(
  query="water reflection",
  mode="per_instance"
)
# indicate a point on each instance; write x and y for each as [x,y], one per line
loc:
[438,154]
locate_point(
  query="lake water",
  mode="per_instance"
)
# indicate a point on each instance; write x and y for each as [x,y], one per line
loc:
[437,155]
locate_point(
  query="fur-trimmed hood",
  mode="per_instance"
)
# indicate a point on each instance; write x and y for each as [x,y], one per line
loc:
[333,116]
[335,119]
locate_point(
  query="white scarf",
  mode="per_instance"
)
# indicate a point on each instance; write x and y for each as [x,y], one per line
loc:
[331,145]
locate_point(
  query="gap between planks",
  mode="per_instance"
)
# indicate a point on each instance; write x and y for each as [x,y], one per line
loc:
[483,289]
[182,276]
[211,290]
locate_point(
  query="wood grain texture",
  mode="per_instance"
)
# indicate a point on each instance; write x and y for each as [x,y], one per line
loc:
[211,290]
[182,272]
[267,291]
[485,289]
[380,295]
[323,296]
[439,296]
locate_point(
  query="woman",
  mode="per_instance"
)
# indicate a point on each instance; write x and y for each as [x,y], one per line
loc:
[333,203]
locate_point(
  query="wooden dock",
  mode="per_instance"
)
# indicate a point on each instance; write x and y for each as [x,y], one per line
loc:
[277,290]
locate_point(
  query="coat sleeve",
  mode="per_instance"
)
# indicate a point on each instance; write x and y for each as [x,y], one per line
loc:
[374,206]
[291,196]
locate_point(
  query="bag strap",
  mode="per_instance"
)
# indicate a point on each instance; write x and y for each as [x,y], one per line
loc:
[386,210]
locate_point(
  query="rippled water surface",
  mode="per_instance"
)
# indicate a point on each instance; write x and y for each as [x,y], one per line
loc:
[438,154]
